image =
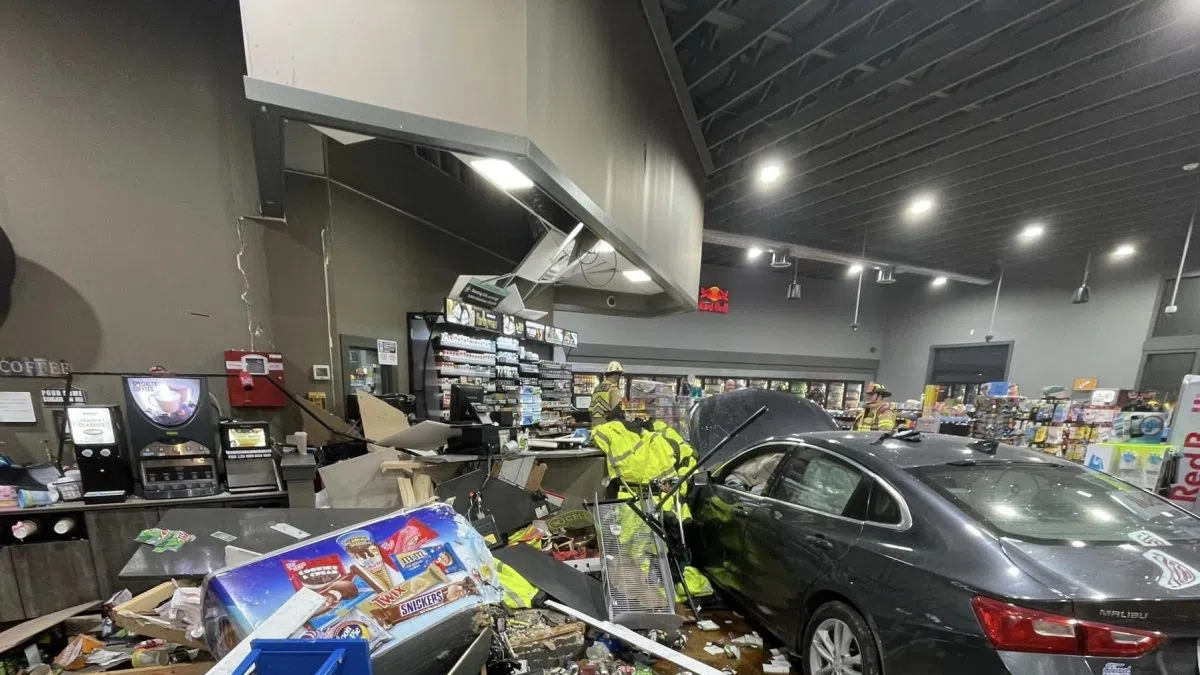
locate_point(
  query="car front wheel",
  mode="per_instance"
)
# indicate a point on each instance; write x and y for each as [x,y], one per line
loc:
[838,641]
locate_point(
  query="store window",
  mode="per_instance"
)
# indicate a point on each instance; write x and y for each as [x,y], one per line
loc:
[1163,373]
[970,364]
[1186,321]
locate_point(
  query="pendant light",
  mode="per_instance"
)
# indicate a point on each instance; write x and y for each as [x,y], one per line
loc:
[861,273]
[991,332]
[793,290]
[1083,293]
[1187,241]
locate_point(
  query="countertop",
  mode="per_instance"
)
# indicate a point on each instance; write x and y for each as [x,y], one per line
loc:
[140,503]
[252,527]
[568,453]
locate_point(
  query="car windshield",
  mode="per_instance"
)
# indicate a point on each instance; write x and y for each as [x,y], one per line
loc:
[1058,502]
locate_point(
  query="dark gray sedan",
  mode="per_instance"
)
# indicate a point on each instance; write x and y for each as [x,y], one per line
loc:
[867,554]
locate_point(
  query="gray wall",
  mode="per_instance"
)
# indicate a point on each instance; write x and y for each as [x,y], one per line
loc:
[1055,341]
[760,321]
[124,165]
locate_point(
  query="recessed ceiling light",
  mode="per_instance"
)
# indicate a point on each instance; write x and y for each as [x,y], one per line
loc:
[921,205]
[770,172]
[1191,166]
[1033,231]
[502,173]
[854,269]
[938,281]
[1124,251]
[636,276]
[602,247]
[753,252]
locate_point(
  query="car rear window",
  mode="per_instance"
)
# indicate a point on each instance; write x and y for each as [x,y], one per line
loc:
[1058,502]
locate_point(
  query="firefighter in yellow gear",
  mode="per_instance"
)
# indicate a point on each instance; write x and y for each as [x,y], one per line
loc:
[607,395]
[638,457]
[518,592]
[877,413]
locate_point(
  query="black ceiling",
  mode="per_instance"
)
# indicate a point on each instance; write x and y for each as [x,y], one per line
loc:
[1079,114]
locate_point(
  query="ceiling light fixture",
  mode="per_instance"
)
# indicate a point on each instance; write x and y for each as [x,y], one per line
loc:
[1191,166]
[770,173]
[1083,293]
[1124,251]
[938,281]
[793,290]
[753,252]
[602,246]
[886,275]
[1033,231]
[636,276]
[921,205]
[501,173]
[779,260]
[854,269]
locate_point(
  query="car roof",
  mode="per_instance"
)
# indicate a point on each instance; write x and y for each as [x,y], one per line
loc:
[931,450]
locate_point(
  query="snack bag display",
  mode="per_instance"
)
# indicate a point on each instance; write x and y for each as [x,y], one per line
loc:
[384,581]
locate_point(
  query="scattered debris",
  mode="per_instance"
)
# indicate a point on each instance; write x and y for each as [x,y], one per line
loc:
[714,649]
[778,665]
[705,624]
[752,640]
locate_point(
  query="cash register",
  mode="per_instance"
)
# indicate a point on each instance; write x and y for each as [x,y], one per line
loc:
[479,434]
[249,457]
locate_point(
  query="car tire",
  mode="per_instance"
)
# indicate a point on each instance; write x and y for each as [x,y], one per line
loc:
[838,641]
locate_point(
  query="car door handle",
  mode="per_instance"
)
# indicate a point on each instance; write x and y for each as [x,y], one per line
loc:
[820,541]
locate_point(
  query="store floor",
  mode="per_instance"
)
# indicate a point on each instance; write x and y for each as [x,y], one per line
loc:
[731,626]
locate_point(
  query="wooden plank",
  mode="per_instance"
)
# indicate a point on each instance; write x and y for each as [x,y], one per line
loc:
[111,537]
[23,632]
[10,596]
[53,575]
[198,668]
[534,483]
[408,496]
[379,420]
[422,486]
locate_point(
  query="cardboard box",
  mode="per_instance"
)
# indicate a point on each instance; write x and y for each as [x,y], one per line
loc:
[422,572]
[128,615]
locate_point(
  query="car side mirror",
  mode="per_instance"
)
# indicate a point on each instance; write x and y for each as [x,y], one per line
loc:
[700,478]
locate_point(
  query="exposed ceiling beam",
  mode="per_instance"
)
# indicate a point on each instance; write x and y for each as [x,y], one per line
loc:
[1044,196]
[822,32]
[867,49]
[944,45]
[693,18]
[1121,97]
[960,234]
[1061,57]
[751,32]
[811,253]
[1151,145]
[670,61]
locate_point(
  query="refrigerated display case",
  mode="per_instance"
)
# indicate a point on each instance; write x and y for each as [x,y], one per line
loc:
[657,400]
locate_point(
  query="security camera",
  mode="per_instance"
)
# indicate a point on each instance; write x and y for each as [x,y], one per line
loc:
[854,326]
[1170,309]
[989,337]
[611,301]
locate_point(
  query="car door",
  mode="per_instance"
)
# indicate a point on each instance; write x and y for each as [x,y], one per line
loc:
[811,517]
[718,533]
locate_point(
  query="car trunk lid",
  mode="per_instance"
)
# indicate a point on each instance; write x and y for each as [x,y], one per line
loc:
[1124,584]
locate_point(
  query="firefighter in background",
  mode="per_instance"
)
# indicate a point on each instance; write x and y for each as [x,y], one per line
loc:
[607,395]
[877,414]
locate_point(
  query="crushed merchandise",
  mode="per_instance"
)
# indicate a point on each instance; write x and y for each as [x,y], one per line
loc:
[164,540]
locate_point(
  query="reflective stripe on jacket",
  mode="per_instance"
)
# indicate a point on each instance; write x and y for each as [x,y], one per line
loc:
[876,417]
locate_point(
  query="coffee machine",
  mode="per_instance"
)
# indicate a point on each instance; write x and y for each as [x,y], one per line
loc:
[249,457]
[100,452]
[172,429]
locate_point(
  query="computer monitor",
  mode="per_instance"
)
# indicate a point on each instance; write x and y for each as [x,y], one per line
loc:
[463,399]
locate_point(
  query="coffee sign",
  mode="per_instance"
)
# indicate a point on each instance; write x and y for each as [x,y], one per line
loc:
[33,367]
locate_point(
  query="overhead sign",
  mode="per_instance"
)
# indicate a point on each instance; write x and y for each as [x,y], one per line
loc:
[714,299]
[483,294]
[33,367]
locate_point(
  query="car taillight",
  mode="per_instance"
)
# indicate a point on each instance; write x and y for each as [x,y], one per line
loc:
[1020,629]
